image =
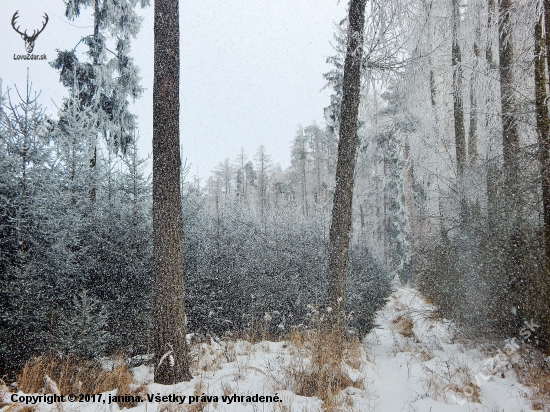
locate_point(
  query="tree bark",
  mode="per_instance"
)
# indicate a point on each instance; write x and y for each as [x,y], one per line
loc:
[95,62]
[472,135]
[510,137]
[488,48]
[347,146]
[546,8]
[543,129]
[303,158]
[510,150]
[458,109]
[491,180]
[171,352]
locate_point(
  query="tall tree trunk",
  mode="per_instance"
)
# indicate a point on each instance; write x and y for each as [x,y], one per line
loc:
[347,146]
[543,129]
[543,121]
[510,137]
[303,158]
[458,109]
[491,180]
[489,48]
[510,149]
[546,8]
[472,135]
[171,352]
[95,61]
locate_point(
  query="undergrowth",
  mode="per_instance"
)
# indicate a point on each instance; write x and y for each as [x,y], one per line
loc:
[322,366]
[69,374]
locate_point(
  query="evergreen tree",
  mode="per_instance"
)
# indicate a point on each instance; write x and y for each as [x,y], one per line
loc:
[27,173]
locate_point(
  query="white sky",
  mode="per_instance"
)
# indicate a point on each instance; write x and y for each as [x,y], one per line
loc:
[251,70]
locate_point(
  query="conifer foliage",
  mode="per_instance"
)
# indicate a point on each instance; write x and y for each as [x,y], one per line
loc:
[69,267]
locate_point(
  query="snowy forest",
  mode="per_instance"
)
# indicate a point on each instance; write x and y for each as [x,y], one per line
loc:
[412,226]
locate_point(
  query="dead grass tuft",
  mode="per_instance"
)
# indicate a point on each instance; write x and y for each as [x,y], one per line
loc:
[73,375]
[404,325]
[197,406]
[19,408]
[194,407]
[533,371]
[452,379]
[322,370]
[227,389]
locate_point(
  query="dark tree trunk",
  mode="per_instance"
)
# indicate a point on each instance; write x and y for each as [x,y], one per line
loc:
[510,137]
[458,109]
[546,7]
[510,150]
[171,352]
[472,135]
[303,159]
[432,88]
[95,61]
[543,129]
[347,146]
[491,182]
[489,49]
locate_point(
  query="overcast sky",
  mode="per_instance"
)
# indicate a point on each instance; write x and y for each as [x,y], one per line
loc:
[251,70]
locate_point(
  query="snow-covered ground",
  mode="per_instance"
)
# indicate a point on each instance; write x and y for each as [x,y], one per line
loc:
[412,362]
[425,369]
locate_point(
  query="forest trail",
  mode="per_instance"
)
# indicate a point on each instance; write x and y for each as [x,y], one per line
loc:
[419,363]
[413,361]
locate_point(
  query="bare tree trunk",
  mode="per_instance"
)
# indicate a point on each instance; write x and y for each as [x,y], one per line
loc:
[543,121]
[510,150]
[543,129]
[93,158]
[510,137]
[546,7]
[491,181]
[347,146]
[262,183]
[171,352]
[458,109]
[472,135]
[304,182]
[488,48]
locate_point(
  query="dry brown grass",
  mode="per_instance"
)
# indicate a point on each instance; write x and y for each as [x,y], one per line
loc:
[197,391]
[533,371]
[73,375]
[4,391]
[434,315]
[404,325]
[227,389]
[321,370]
[452,379]
[257,331]
[20,408]
[194,407]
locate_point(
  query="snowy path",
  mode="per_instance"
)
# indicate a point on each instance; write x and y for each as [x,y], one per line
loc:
[410,363]
[422,369]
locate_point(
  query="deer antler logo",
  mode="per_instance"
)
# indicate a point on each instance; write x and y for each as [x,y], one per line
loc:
[29,40]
